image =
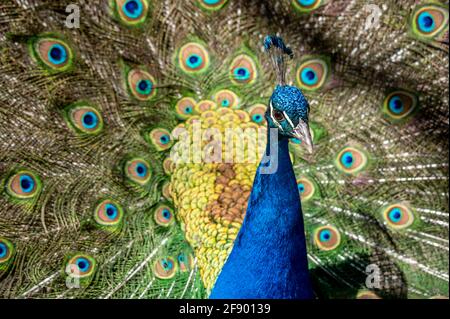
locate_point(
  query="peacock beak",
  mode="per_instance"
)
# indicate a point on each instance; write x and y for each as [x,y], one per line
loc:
[301,132]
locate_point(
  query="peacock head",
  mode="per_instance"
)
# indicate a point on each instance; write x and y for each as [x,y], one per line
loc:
[288,111]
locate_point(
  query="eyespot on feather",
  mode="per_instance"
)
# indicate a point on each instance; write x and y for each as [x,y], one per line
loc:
[185,108]
[351,160]
[193,58]
[429,21]
[164,215]
[226,98]
[52,53]
[398,216]
[168,166]
[131,12]
[23,184]
[204,105]
[160,138]
[141,84]
[108,213]
[312,74]
[306,188]
[7,252]
[185,262]
[399,104]
[165,268]
[84,119]
[80,266]
[306,6]
[211,5]
[367,294]
[167,191]
[243,70]
[138,170]
[257,112]
[327,238]
[243,115]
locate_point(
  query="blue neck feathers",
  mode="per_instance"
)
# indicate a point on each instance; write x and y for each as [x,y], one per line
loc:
[269,258]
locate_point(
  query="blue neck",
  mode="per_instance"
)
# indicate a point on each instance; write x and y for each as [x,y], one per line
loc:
[269,258]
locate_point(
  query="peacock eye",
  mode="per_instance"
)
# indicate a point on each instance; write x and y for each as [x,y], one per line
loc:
[278,115]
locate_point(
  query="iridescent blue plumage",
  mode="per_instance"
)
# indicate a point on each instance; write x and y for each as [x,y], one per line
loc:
[269,257]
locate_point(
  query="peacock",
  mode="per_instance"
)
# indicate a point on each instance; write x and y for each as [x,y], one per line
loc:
[131,133]
[272,233]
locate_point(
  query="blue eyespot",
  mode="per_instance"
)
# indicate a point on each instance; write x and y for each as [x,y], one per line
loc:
[181,258]
[225,103]
[141,170]
[144,87]
[167,264]
[3,250]
[395,215]
[26,183]
[164,139]
[306,3]
[347,159]
[301,187]
[241,74]
[111,211]
[90,120]
[396,105]
[325,235]
[166,214]
[57,54]
[188,110]
[257,118]
[211,2]
[309,76]
[82,264]
[133,8]
[194,61]
[426,22]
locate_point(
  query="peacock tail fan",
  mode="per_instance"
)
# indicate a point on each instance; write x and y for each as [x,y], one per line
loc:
[98,201]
